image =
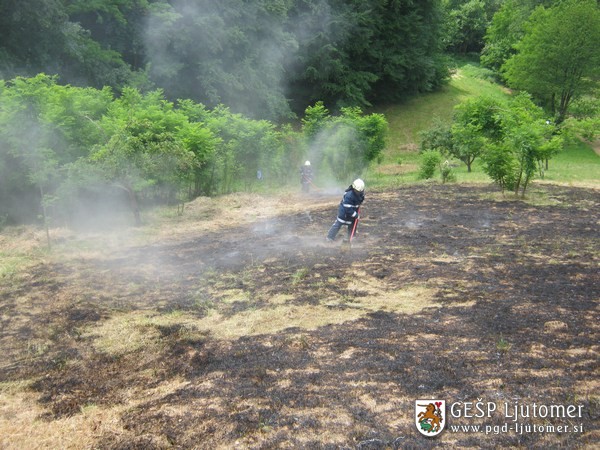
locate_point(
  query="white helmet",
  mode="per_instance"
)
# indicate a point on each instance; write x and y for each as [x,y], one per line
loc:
[307,163]
[358,185]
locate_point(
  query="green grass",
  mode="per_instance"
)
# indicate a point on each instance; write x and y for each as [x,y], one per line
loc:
[406,120]
[401,159]
[577,163]
[400,163]
[10,265]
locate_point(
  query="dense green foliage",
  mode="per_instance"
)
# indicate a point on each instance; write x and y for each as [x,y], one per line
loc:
[70,147]
[343,144]
[466,23]
[548,50]
[361,52]
[165,100]
[266,59]
[429,162]
[513,137]
[45,36]
[557,59]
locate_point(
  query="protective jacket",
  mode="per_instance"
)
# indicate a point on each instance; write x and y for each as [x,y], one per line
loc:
[347,213]
[348,209]
[306,177]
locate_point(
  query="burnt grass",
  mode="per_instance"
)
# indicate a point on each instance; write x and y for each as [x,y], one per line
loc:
[515,318]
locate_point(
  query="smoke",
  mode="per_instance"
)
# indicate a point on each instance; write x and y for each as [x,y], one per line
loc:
[40,183]
[336,151]
[243,54]
[219,52]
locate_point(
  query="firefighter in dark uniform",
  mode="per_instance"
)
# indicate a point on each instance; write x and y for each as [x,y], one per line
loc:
[306,176]
[348,209]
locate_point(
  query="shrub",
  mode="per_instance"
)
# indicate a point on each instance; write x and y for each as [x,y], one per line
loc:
[447,173]
[429,161]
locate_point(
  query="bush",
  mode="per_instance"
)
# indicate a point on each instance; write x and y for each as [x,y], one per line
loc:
[500,165]
[429,161]
[447,173]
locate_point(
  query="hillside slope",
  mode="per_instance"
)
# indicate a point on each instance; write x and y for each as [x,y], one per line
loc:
[249,331]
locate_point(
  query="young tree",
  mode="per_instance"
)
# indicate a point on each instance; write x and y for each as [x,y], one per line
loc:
[144,148]
[437,137]
[314,120]
[26,138]
[558,59]
[475,124]
[345,144]
[525,143]
[44,128]
[468,142]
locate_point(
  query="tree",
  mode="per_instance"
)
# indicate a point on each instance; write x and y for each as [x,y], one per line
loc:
[358,53]
[229,52]
[437,137]
[475,123]
[525,142]
[346,143]
[558,59]
[26,138]
[503,33]
[38,36]
[265,59]
[405,51]
[314,120]
[430,160]
[115,24]
[144,148]
[43,126]
[465,25]
[467,143]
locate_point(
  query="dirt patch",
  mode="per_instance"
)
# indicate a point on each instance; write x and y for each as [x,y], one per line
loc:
[252,332]
[596,146]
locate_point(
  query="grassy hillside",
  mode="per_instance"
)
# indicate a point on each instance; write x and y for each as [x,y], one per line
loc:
[417,114]
[578,164]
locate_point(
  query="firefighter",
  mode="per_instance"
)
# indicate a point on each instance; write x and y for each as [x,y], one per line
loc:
[348,210]
[306,176]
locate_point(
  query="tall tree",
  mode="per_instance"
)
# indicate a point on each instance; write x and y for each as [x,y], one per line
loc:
[406,49]
[228,52]
[558,59]
[114,24]
[466,23]
[362,52]
[39,36]
[505,30]
[33,35]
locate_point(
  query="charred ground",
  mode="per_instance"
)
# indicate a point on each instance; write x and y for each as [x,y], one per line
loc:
[263,336]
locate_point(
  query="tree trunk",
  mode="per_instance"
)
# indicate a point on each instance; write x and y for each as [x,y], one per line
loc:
[133,203]
[45,216]
[134,206]
[518,183]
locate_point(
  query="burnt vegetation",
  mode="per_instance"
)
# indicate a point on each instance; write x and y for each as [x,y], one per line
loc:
[508,311]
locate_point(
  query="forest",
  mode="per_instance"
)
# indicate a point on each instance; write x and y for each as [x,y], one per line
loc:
[144,102]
